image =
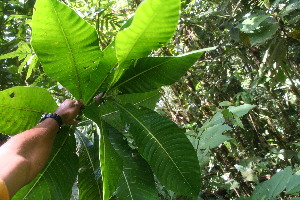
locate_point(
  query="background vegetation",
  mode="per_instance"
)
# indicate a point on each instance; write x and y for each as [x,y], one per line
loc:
[256,62]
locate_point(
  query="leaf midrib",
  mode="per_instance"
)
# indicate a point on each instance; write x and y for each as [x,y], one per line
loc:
[70,49]
[151,134]
[129,189]
[135,42]
[22,109]
[139,102]
[141,73]
[90,160]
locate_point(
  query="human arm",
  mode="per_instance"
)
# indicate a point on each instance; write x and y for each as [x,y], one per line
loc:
[25,154]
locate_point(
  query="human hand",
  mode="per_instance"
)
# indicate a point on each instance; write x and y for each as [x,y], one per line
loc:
[68,110]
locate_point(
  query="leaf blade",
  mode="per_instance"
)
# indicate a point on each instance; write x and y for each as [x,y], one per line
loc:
[26,103]
[111,163]
[89,179]
[136,182]
[153,72]
[70,54]
[154,23]
[165,147]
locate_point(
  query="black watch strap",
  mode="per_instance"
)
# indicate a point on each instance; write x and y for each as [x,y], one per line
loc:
[54,116]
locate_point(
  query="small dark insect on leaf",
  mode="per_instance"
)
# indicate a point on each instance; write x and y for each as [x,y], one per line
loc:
[12,95]
[86,67]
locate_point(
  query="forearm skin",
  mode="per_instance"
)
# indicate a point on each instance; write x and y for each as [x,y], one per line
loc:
[24,155]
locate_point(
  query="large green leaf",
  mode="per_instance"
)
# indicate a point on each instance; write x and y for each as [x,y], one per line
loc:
[59,174]
[154,23]
[67,47]
[110,161]
[22,107]
[166,148]
[109,113]
[89,175]
[136,182]
[151,73]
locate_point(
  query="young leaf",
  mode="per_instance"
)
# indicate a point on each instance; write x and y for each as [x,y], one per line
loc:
[154,23]
[67,46]
[151,73]
[111,163]
[59,174]
[32,65]
[166,148]
[136,182]
[23,107]
[89,175]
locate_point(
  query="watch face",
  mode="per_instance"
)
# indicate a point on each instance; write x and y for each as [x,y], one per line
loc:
[51,115]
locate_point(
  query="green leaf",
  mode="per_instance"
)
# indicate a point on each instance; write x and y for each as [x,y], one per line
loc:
[32,65]
[154,23]
[293,185]
[273,187]
[67,47]
[23,64]
[22,107]
[264,34]
[290,8]
[166,148]
[151,73]
[22,52]
[252,23]
[136,182]
[11,55]
[225,103]
[241,110]
[212,137]
[111,114]
[89,175]
[110,161]
[217,119]
[59,174]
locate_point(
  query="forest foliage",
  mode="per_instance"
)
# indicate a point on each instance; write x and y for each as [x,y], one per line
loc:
[238,104]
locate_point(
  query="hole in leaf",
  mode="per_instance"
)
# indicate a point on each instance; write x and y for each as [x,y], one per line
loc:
[86,67]
[12,95]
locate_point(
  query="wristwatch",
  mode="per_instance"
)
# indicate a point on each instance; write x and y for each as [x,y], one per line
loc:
[54,116]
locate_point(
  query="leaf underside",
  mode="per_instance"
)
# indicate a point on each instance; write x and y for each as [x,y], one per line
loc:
[110,114]
[68,48]
[166,148]
[111,163]
[154,23]
[89,175]
[22,107]
[136,182]
[151,73]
